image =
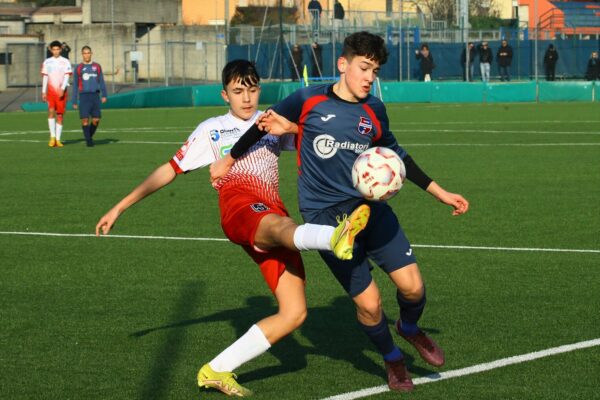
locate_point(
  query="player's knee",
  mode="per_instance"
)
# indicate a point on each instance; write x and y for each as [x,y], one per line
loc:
[95,121]
[85,122]
[294,318]
[413,293]
[370,310]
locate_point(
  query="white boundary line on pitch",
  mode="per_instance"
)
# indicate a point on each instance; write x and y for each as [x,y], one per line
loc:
[429,246]
[475,369]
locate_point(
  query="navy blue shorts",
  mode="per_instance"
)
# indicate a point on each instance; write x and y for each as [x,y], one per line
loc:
[382,241]
[89,105]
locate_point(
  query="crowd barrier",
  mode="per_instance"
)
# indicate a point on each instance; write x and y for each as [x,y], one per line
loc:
[391,92]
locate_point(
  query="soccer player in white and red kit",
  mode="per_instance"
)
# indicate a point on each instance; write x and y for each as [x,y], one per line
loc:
[55,79]
[253,216]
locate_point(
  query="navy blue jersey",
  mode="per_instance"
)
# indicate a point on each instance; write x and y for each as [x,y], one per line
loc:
[88,78]
[332,133]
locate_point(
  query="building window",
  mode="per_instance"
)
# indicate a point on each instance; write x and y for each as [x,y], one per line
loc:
[5,58]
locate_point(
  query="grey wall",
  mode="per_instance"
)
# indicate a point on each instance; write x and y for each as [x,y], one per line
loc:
[140,11]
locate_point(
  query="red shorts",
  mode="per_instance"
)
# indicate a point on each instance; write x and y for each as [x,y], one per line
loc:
[241,212]
[56,103]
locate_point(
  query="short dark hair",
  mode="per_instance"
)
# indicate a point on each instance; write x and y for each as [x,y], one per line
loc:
[86,47]
[365,44]
[55,43]
[243,70]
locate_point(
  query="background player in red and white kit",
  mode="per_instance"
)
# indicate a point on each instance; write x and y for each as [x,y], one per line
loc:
[55,79]
[253,216]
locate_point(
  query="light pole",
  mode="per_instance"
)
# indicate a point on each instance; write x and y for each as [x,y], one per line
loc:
[112,42]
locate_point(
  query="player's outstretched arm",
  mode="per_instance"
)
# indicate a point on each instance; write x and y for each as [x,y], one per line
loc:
[276,124]
[160,178]
[456,201]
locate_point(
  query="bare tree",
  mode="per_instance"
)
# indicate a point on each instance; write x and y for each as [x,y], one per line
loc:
[445,10]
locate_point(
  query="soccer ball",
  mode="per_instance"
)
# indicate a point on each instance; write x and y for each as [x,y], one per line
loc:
[378,173]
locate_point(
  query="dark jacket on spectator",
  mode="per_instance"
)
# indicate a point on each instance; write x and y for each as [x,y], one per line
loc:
[551,56]
[505,55]
[593,69]
[485,55]
[427,64]
[338,11]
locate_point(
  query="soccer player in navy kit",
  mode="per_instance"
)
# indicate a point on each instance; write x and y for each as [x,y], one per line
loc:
[88,82]
[334,124]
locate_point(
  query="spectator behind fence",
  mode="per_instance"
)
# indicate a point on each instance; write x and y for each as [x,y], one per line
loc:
[550,59]
[317,64]
[593,67]
[65,50]
[426,62]
[485,61]
[505,55]
[470,71]
[296,62]
[315,9]
[338,16]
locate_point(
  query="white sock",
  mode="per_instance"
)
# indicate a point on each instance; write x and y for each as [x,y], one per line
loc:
[52,126]
[251,345]
[313,237]
[58,131]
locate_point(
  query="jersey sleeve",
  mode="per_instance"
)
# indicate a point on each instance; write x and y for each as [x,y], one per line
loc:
[101,82]
[387,138]
[288,142]
[291,106]
[196,152]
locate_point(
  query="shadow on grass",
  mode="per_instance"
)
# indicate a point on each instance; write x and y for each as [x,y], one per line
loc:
[157,381]
[332,331]
[98,142]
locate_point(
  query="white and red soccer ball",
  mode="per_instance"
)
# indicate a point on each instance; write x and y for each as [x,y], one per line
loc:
[378,173]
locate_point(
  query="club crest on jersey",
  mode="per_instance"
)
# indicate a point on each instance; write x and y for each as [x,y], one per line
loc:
[259,207]
[214,135]
[365,126]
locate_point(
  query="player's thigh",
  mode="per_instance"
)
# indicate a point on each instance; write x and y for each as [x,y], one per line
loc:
[290,293]
[409,282]
[270,230]
[353,275]
[95,111]
[385,241]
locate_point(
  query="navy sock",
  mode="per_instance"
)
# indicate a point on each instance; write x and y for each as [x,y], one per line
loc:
[86,133]
[382,339]
[410,313]
[93,129]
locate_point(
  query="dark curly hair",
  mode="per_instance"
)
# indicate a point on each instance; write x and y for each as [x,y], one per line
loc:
[365,44]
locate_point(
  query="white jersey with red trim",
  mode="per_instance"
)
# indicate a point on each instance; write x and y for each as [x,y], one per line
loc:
[256,170]
[56,68]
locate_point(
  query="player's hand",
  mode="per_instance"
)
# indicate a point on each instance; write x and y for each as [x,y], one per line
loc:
[106,222]
[219,168]
[103,100]
[44,96]
[275,124]
[456,201]
[61,94]
[75,106]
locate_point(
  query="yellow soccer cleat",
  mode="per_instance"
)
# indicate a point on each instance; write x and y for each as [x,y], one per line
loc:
[58,144]
[223,381]
[52,142]
[342,241]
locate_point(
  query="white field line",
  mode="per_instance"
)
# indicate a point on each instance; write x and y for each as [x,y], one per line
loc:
[114,236]
[475,369]
[403,144]
[429,246]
